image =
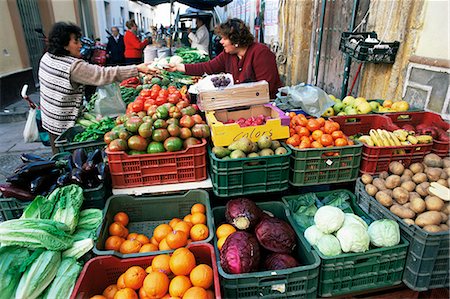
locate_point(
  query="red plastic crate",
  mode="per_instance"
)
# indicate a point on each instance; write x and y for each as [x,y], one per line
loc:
[361,124]
[129,171]
[100,272]
[376,159]
[440,148]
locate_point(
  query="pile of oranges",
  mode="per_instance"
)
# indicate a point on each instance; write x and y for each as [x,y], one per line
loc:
[222,233]
[315,132]
[175,276]
[167,236]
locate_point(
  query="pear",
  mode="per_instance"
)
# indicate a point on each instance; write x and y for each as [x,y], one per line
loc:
[244,144]
[266,152]
[364,108]
[280,151]
[264,142]
[275,144]
[253,155]
[220,151]
[236,154]
[348,101]
[255,147]
[338,107]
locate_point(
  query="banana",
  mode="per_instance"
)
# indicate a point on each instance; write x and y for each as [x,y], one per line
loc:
[374,136]
[413,139]
[405,142]
[383,138]
[423,139]
[388,137]
[401,134]
[367,140]
[395,139]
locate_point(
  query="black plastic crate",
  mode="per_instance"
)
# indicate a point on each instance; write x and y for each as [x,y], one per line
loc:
[355,45]
[427,263]
[11,208]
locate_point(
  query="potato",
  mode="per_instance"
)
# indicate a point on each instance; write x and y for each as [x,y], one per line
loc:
[416,168]
[433,160]
[401,195]
[428,218]
[405,178]
[371,189]
[409,221]
[434,203]
[366,179]
[446,209]
[433,174]
[379,183]
[414,194]
[384,199]
[444,175]
[396,168]
[442,182]
[446,162]
[407,205]
[402,212]
[392,181]
[447,171]
[444,217]
[383,175]
[408,186]
[417,204]
[448,181]
[408,172]
[432,228]
[444,227]
[422,189]
[448,222]
[388,192]
[419,178]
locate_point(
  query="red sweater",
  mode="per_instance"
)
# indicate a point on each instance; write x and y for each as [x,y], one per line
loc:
[133,47]
[257,64]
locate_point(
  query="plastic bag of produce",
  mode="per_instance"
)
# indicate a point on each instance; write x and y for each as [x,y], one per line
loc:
[109,101]
[31,132]
[310,99]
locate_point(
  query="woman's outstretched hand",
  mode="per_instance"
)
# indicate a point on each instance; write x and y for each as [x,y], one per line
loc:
[145,68]
[176,67]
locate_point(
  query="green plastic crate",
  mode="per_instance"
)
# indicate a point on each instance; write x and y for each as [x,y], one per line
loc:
[298,282]
[427,264]
[64,142]
[11,208]
[236,177]
[146,213]
[325,165]
[354,272]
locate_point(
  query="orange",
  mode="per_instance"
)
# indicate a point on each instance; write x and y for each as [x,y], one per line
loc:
[317,134]
[198,218]
[163,245]
[117,229]
[202,276]
[199,232]
[122,218]
[153,241]
[126,293]
[220,242]
[98,297]
[143,239]
[313,124]
[110,291]
[179,285]
[176,239]
[134,277]
[161,231]
[326,140]
[196,293]
[337,134]
[316,144]
[125,233]
[321,121]
[198,208]
[149,269]
[130,246]
[302,120]
[174,221]
[387,103]
[340,142]
[183,226]
[187,218]
[210,294]
[121,282]
[143,294]
[132,236]
[156,284]
[182,261]
[161,263]
[148,248]
[224,230]
[331,126]
[113,243]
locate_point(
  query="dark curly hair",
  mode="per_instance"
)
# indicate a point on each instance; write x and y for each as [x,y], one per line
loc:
[236,31]
[59,37]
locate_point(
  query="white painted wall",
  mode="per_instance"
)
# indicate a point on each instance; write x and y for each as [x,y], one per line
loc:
[434,40]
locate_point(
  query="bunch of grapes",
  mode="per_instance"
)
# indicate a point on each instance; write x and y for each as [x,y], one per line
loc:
[220,81]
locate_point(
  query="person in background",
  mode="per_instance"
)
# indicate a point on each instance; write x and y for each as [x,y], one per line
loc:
[246,60]
[200,39]
[63,74]
[184,35]
[133,46]
[115,47]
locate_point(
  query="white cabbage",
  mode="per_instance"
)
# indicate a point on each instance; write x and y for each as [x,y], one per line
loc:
[329,219]
[313,234]
[384,233]
[353,238]
[328,245]
[352,218]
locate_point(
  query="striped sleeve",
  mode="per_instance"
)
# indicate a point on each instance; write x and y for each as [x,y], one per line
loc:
[83,72]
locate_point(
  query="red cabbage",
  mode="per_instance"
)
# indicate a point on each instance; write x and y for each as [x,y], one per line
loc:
[275,235]
[242,213]
[279,261]
[240,253]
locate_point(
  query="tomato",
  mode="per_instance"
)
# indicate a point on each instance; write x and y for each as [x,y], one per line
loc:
[148,103]
[173,98]
[171,89]
[302,131]
[160,100]
[313,125]
[163,93]
[337,134]
[156,88]
[316,144]
[321,121]
[293,140]
[331,126]
[137,106]
[326,140]
[291,131]
[302,120]
[317,134]
[145,92]
[154,94]
[340,142]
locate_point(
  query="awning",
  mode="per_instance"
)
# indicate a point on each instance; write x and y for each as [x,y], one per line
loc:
[199,4]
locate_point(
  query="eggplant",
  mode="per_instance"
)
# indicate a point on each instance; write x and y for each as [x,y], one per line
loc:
[96,156]
[43,182]
[18,181]
[35,168]
[11,191]
[77,176]
[70,164]
[79,157]
[63,179]
[36,184]
[101,171]
[50,190]
[88,166]
[30,158]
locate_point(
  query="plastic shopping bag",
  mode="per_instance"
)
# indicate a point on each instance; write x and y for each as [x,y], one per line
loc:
[109,101]
[31,132]
[310,99]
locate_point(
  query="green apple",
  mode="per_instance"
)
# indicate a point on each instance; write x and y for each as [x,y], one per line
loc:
[332,97]
[342,113]
[348,100]
[329,112]
[358,101]
[350,110]
[338,107]
[364,108]
[375,105]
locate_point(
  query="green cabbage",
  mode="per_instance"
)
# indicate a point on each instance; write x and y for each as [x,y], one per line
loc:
[11,259]
[329,219]
[328,245]
[64,282]
[313,234]
[90,219]
[384,233]
[353,237]
[67,210]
